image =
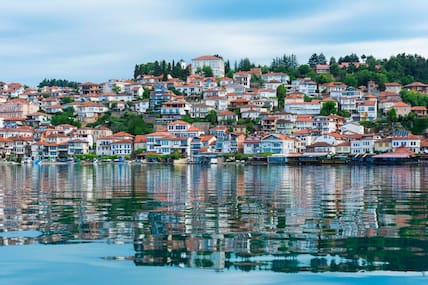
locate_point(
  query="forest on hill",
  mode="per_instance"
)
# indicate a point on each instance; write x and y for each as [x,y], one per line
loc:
[352,69]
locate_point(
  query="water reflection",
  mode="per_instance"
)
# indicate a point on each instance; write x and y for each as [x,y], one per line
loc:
[285,219]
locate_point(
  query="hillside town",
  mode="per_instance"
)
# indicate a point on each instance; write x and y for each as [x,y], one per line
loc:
[208,117]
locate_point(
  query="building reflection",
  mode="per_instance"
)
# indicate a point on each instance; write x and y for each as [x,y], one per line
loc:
[279,218]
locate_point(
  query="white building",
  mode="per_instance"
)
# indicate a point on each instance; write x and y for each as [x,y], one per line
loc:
[216,64]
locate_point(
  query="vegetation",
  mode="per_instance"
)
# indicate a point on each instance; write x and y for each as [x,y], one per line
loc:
[158,68]
[65,117]
[281,93]
[129,122]
[414,98]
[58,83]
[328,108]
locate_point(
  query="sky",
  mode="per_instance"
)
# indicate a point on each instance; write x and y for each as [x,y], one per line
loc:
[98,40]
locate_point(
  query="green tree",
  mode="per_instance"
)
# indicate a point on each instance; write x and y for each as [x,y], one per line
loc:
[116,89]
[392,115]
[313,60]
[245,64]
[304,70]
[281,93]
[67,100]
[322,59]
[65,117]
[212,117]
[207,71]
[328,108]
[350,80]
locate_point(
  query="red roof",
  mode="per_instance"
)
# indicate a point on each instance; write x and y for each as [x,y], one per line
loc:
[206,57]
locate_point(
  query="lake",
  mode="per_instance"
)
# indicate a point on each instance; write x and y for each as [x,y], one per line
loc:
[218,224]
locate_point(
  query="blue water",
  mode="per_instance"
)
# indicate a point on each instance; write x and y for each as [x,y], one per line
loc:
[121,224]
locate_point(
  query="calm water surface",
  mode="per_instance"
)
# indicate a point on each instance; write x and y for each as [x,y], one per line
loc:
[152,224]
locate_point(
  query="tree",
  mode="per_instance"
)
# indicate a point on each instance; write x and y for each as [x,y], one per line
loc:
[67,100]
[281,92]
[392,115]
[65,117]
[207,71]
[322,59]
[245,64]
[350,80]
[313,60]
[328,108]
[324,78]
[304,70]
[212,117]
[116,89]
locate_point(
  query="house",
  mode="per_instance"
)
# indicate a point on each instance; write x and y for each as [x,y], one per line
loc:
[225,81]
[140,142]
[393,87]
[334,89]
[269,124]
[218,103]
[141,106]
[175,109]
[49,151]
[321,147]
[325,124]
[200,110]
[387,101]
[36,119]
[77,146]
[278,144]
[216,63]
[417,86]
[276,77]
[189,89]
[304,138]
[89,88]
[352,128]
[120,144]
[89,112]
[330,138]
[349,98]
[305,85]
[266,93]
[16,132]
[363,143]
[406,139]
[284,126]
[251,112]
[17,108]
[160,95]
[149,79]
[232,142]
[113,97]
[402,109]
[183,129]
[252,145]
[419,111]
[304,122]
[226,117]
[343,148]
[322,68]
[367,111]
[304,108]
[242,78]
[383,145]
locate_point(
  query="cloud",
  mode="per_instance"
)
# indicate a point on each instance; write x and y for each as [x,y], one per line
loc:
[97,40]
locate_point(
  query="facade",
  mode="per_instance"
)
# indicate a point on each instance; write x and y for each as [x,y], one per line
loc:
[216,63]
[17,108]
[277,144]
